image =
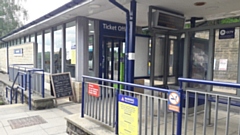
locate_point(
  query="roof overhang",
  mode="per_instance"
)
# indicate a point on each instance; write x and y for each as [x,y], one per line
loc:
[104,10]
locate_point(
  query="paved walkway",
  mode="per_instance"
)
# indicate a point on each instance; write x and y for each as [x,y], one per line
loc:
[55,124]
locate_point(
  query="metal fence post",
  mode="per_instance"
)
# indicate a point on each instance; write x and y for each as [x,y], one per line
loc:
[179,116]
[43,85]
[22,80]
[116,130]
[83,93]
[29,92]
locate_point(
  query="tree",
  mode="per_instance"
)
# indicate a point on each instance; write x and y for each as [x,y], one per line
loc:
[12,14]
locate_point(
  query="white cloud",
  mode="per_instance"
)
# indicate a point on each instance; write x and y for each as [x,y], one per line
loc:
[38,8]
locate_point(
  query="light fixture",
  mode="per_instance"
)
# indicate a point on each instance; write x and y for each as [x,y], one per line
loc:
[91,31]
[89,24]
[94,6]
[212,8]
[199,3]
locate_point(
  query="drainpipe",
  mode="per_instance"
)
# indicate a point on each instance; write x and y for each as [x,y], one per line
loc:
[7,55]
[114,2]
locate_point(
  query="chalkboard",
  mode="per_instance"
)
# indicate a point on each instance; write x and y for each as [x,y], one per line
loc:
[62,85]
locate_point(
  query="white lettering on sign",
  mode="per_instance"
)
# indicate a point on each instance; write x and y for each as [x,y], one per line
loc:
[113,27]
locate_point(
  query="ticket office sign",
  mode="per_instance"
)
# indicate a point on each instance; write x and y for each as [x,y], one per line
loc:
[127,115]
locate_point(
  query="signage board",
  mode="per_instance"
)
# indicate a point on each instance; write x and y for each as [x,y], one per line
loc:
[93,90]
[112,27]
[18,52]
[127,115]
[62,85]
[167,21]
[227,33]
[174,101]
[223,64]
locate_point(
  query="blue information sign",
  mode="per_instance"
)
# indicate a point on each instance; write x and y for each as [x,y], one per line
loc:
[128,100]
[227,33]
[174,101]
[18,52]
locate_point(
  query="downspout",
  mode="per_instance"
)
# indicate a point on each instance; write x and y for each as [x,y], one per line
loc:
[114,2]
[126,52]
[7,55]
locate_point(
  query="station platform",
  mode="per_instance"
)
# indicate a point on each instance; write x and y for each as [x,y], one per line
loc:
[40,122]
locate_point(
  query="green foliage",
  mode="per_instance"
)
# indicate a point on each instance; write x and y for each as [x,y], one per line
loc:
[229,20]
[187,26]
[13,13]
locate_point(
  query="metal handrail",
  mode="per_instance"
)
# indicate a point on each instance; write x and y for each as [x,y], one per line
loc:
[128,84]
[224,84]
[179,115]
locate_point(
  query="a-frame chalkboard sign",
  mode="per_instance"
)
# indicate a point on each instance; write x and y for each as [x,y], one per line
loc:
[62,85]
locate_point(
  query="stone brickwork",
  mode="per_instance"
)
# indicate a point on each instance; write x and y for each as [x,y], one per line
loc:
[26,58]
[74,130]
[227,49]
[3,59]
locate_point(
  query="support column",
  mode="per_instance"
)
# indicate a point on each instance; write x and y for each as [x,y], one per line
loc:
[186,58]
[81,47]
[166,61]
[131,53]
[43,50]
[7,57]
[36,49]
[63,48]
[152,66]
[238,78]
[95,48]
[211,47]
[52,63]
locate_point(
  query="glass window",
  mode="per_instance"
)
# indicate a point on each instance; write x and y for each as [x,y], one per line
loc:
[58,49]
[71,48]
[39,56]
[26,39]
[32,39]
[199,57]
[22,40]
[91,45]
[47,50]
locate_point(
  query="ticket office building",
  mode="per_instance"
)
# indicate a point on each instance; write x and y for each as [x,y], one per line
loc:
[86,46]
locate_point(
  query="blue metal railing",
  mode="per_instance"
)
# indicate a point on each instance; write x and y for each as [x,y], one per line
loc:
[206,82]
[179,120]
[209,97]
[37,76]
[23,87]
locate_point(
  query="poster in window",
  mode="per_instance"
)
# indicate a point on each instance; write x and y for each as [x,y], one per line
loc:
[223,64]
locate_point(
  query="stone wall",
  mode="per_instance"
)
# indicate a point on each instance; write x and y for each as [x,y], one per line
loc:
[3,59]
[26,58]
[227,49]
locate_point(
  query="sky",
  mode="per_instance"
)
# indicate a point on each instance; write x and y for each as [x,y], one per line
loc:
[38,8]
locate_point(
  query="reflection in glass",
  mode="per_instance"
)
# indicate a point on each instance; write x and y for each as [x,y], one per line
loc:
[91,45]
[39,55]
[47,50]
[57,49]
[32,38]
[71,48]
[199,59]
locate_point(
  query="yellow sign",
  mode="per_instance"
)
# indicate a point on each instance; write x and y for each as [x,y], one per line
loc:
[128,115]
[73,56]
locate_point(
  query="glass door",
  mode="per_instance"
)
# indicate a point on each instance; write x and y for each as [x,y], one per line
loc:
[113,58]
